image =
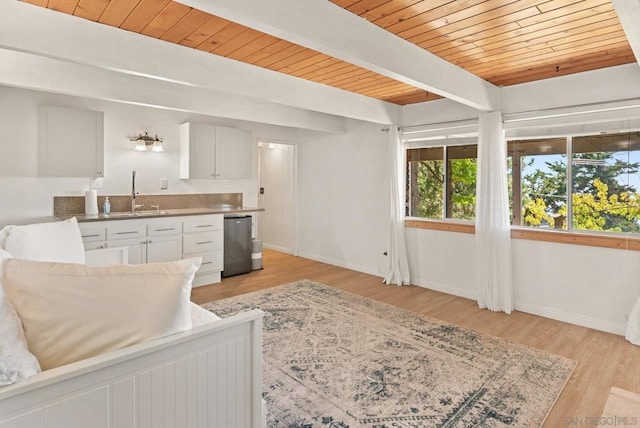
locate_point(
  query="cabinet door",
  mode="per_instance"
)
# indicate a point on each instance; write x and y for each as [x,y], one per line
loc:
[234,153]
[70,142]
[137,249]
[197,151]
[164,249]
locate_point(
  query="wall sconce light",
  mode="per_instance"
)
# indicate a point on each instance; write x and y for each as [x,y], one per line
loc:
[146,142]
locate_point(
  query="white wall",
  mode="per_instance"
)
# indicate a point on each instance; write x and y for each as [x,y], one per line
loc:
[343,196]
[26,198]
[589,286]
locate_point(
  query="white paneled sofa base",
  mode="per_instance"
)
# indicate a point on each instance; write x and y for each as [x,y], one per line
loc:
[209,376]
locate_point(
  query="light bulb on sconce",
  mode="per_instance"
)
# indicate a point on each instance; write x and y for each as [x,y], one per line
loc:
[147,143]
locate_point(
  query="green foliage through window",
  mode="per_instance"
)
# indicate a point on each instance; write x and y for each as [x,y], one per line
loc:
[577,183]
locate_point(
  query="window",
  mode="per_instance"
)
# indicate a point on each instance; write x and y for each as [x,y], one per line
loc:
[605,183]
[589,183]
[441,182]
[538,181]
[602,179]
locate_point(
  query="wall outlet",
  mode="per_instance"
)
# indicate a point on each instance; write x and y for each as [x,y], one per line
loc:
[226,183]
[383,263]
[95,183]
[164,184]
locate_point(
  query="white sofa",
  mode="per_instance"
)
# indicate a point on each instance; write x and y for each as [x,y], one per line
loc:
[209,375]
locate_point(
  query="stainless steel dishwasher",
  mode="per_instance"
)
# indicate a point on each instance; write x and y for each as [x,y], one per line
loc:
[237,245]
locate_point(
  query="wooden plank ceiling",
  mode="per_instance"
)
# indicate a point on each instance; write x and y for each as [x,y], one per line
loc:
[502,41]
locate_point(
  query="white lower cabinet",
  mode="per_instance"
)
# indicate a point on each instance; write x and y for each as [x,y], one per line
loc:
[203,236]
[155,240]
[164,249]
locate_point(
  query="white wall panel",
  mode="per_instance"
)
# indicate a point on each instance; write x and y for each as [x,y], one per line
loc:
[589,286]
[343,197]
[123,399]
[89,409]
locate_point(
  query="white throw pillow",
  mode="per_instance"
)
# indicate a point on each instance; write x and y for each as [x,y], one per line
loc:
[200,316]
[4,234]
[71,312]
[16,362]
[58,241]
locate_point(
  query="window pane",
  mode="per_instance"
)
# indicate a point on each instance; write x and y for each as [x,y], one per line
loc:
[461,181]
[605,182]
[539,174]
[425,179]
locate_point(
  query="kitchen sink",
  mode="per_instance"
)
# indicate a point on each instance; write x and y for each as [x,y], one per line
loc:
[139,214]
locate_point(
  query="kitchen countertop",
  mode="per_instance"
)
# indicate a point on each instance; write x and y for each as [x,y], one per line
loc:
[161,213]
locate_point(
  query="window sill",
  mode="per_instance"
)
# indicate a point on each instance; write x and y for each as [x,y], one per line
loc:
[559,237]
[446,226]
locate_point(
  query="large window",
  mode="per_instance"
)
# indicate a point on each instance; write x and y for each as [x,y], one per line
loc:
[596,191]
[605,183]
[441,182]
[589,183]
[538,181]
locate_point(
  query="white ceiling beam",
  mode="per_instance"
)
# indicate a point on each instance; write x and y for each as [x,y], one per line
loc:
[44,32]
[629,14]
[29,71]
[332,30]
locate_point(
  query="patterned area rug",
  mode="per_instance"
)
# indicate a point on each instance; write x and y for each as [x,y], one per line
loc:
[336,360]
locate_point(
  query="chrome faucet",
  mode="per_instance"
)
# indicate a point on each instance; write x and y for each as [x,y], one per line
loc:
[134,193]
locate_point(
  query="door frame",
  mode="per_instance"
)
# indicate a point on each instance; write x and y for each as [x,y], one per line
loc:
[260,142]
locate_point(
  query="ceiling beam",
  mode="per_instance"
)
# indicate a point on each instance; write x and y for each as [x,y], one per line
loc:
[29,71]
[75,40]
[629,14]
[332,30]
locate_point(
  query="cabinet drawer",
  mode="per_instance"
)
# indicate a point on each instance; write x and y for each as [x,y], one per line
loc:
[165,228]
[92,233]
[211,262]
[94,245]
[203,224]
[124,231]
[195,243]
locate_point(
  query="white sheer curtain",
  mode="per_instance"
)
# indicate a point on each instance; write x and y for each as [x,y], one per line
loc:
[398,263]
[633,325]
[493,240]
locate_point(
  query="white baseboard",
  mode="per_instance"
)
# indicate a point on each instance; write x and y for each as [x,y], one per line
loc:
[444,288]
[277,248]
[581,320]
[327,260]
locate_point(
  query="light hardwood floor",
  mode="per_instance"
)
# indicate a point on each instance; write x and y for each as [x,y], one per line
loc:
[604,360]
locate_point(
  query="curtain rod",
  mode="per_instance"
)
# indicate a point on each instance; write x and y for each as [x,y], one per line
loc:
[543,110]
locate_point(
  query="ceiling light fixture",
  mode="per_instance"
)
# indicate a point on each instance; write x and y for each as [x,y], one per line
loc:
[147,143]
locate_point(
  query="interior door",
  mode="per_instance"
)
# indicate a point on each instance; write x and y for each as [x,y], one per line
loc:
[276,227]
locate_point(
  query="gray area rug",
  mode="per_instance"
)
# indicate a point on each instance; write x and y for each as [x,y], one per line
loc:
[336,360]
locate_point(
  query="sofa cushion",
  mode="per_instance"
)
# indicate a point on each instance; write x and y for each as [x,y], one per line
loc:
[58,241]
[16,362]
[71,312]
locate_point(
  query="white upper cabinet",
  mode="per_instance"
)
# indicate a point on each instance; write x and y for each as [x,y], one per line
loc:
[70,142]
[215,152]
[233,153]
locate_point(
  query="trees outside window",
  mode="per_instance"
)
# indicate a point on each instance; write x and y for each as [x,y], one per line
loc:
[441,182]
[603,182]
[587,183]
